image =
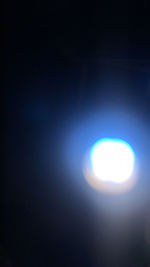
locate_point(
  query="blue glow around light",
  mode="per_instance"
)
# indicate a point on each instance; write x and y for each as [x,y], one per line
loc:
[112,160]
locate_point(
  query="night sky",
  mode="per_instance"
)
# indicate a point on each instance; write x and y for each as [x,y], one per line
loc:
[64,62]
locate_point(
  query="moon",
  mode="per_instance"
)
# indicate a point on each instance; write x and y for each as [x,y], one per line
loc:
[112,160]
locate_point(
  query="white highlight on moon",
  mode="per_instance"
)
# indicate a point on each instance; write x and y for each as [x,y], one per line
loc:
[112,160]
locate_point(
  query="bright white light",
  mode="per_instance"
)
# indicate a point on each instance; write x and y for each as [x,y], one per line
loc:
[112,160]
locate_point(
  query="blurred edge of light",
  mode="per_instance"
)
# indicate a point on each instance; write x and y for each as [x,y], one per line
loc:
[107,186]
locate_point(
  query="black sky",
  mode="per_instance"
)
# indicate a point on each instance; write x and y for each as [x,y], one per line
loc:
[56,56]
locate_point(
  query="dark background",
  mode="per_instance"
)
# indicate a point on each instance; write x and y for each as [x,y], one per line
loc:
[62,60]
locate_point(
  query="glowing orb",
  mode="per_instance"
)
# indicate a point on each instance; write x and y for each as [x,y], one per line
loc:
[112,160]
